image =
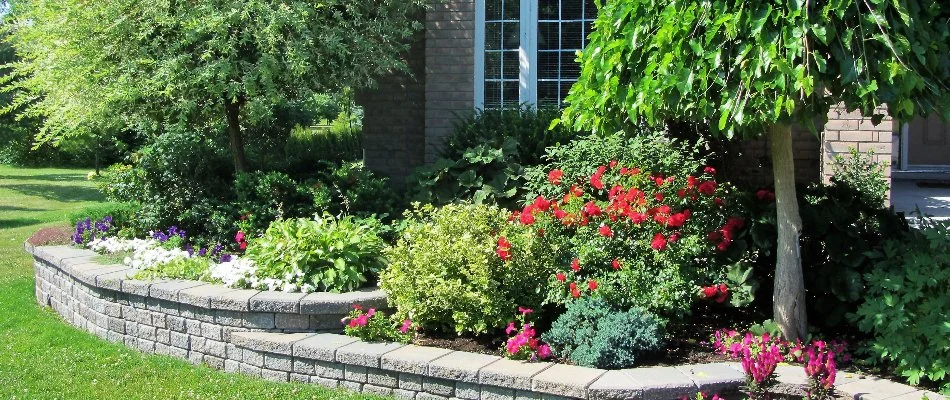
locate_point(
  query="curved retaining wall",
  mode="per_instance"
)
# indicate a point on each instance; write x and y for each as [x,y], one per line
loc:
[285,337]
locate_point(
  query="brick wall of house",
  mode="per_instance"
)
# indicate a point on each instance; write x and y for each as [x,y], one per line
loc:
[748,163]
[846,130]
[449,69]
[394,119]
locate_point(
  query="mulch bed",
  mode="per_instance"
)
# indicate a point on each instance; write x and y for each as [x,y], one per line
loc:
[52,236]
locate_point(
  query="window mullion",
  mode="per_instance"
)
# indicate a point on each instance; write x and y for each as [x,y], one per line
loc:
[528,52]
[479,54]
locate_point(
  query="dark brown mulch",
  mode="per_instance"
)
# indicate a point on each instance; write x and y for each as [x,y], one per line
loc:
[52,236]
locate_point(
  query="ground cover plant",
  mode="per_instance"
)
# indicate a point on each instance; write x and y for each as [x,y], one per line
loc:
[44,357]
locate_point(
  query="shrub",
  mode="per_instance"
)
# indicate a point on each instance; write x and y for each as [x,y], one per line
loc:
[351,188]
[906,304]
[864,175]
[307,149]
[592,333]
[484,159]
[326,254]
[263,197]
[839,228]
[450,271]
[190,268]
[636,234]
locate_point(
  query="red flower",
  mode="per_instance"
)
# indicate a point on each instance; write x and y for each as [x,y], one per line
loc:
[503,248]
[709,170]
[243,246]
[634,171]
[765,195]
[561,277]
[555,176]
[658,196]
[541,204]
[239,237]
[576,191]
[719,202]
[514,215]
[527,216]
[710,291]
[707,188]
[677,220]
[723,293]
[560,214]
[637,218]
[659,180]
[574,292]
[691,182]
[357,307]
[591,209]
[592,285]
[605,231]
[576,265]
[674,237]
[659,242]
[616,264]
[681,193]
[595,179]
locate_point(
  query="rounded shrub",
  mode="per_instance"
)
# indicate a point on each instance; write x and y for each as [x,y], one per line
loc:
[326,254]
[463,268]
[592,333]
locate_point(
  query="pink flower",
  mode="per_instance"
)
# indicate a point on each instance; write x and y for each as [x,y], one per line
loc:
[525,310]
[709,170]
[405,326]
[362,320]
[605,231]
[544,351]
[511,328]
[371,313]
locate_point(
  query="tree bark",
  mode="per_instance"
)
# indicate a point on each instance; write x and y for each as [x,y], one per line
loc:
[789,295]
[233,112]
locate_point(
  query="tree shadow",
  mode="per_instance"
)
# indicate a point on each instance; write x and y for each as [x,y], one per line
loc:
[16,208]
[19,222]
[57,193]
[44,177]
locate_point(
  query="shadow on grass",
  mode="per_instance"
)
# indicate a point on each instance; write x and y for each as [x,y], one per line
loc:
[56,192]
[44,177]
[19,222]
[16,208]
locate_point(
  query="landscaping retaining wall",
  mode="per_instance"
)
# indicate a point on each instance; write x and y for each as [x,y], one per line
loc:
[283,337]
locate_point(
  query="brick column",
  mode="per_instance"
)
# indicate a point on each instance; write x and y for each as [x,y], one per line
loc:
[846,130]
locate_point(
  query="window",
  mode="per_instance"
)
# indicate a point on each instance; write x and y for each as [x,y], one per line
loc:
[526,50]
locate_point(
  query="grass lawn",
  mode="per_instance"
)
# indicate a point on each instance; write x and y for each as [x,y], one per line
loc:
[42,357]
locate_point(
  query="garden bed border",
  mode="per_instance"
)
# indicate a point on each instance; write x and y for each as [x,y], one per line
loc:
[286,337]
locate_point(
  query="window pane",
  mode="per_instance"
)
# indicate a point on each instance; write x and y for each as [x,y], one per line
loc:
[492,65]
[492,94]
[492,35]
[548,64]
[548,36]
[512,35]
[510,94]
[512,10]
[548,9]
[493,10]
[511,67]
[548,94]
[571,9]
[565,87]
[569,68]
[590,10]
[571,35]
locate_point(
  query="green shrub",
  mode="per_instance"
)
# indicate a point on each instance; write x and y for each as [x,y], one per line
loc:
[190,268]
[445,272]
[484,159]
[839,228]
[308,149]
[864,175]
[327,254]
[637,217]
[591,333]
[906,304]
[351,188]
[263,197]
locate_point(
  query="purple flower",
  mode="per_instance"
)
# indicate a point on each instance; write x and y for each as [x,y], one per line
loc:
[202,252]
[225,258]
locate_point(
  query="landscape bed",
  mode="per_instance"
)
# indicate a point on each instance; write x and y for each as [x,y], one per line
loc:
[289,337]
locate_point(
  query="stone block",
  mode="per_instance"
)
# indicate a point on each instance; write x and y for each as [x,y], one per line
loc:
[112,280]
[614,385]
[497,393]
[211,331]
[327,322]
[662,383]
[198,344]
[377,390]
[353,386]
[341,303]
[193,327]
[275,376]
[411,358]
[381,377]
[180,340]
[528,395]
[303,366]
[403,394]
[276,302]
[330,383]
[299,378]
[365,354]
[292,322]
[278,362]
[253,358]
[460,366]
[163,336]
[713,377]
[438,386]
[231,365]
[236,300]
[410,381]
[168,290]
[229,318]
[354,373]
[200,296]
[429,396]
[510,373]
[174,323]
[321,346]
[565,380]
[259,320]
[467,391]
[251,370]
[213,362]
[329,370]
[215,348]
[276,343]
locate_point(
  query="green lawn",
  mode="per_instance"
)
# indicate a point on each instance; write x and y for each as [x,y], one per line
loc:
[41,357]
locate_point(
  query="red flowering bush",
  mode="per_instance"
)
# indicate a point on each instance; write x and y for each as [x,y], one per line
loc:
[371,326]
[524,343]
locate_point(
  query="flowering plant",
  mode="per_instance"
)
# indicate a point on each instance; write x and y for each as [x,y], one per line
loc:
[372,325]
[525,344]
[821,370]
[759,356]
[87,230]
[703,396]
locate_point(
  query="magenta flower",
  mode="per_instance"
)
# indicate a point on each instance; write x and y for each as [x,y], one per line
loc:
[405,326]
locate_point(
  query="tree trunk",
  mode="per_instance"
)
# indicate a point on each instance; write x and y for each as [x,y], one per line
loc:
[789,295]
[233,111]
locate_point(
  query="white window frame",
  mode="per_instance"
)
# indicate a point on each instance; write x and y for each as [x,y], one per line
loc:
[527,53]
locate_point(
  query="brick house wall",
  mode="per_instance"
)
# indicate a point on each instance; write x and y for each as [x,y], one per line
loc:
[846,130]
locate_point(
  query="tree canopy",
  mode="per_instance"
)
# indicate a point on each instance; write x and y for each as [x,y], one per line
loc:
[195,65]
